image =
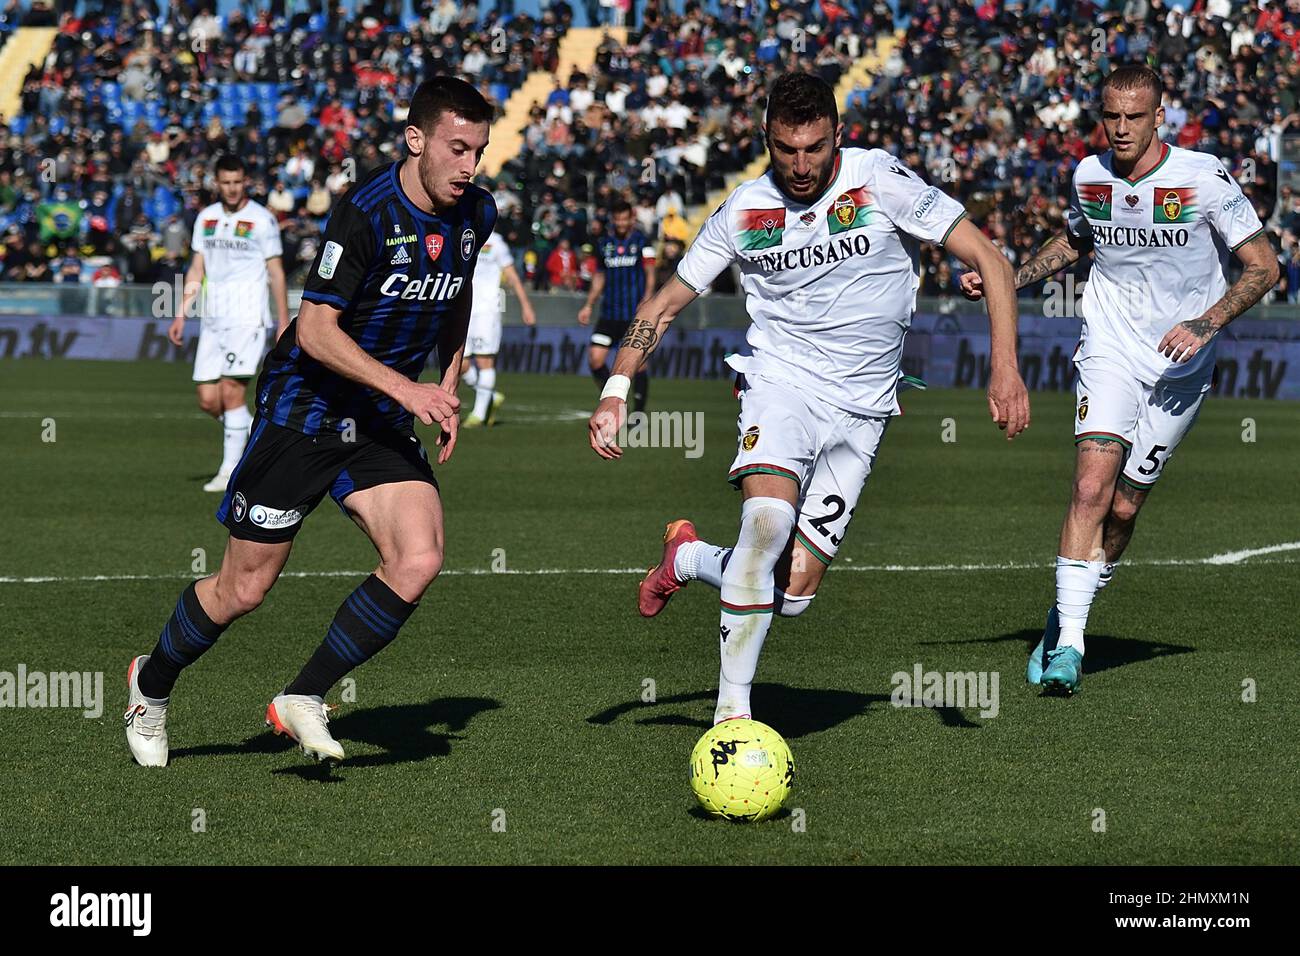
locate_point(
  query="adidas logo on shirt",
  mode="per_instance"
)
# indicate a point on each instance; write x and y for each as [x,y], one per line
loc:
[400,258]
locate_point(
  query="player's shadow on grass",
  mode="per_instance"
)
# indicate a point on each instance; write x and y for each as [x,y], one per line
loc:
[796,711]
[1104,650]
[404,732]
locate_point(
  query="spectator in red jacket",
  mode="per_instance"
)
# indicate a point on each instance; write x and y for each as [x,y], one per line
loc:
[562,266]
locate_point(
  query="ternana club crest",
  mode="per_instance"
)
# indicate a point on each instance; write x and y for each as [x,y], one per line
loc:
[433,245]
[1174,204]
[850,210]
[845,211]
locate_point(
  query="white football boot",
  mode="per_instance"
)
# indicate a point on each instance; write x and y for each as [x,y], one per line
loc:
[146,721]
[218,482]
[304,719]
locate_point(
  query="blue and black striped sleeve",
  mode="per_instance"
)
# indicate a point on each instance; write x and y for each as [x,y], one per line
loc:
[346,253]
[487,217]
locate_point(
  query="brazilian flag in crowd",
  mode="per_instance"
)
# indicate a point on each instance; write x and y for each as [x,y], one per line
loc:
[58,220]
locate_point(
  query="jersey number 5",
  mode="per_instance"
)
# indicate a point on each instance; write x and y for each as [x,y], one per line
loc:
[1153,463]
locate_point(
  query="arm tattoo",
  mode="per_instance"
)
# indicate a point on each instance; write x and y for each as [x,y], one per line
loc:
[1201,328]
[1051,258]
[641,334]
[1253,285]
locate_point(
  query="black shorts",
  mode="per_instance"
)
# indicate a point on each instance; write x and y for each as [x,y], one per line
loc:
[284,474]
[609,332]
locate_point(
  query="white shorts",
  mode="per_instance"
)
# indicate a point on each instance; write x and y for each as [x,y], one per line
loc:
[827,451]
[484,335]
[229,352]
[1148,420]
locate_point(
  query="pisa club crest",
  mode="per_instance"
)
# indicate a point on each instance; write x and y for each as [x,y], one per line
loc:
[433,245]
[1174,204]
[761,228]
[1094,198]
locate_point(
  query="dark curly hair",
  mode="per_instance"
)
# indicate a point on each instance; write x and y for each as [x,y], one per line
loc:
[797,99]
[443,94]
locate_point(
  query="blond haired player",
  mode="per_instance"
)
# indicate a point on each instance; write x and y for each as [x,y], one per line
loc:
[827,244]
[1160,223]
[478,371]
[237,250]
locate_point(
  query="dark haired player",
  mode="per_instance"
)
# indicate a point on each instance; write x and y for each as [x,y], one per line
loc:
[236,247]
[827,246]
[336,404]
[625,274]
[1159,223]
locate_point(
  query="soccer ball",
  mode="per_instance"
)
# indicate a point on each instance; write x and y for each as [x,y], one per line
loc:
[742,770]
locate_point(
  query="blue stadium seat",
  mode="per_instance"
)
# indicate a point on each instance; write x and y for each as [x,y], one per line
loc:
[164,204]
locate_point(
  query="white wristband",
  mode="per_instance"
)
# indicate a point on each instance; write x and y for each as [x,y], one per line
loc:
[617,387]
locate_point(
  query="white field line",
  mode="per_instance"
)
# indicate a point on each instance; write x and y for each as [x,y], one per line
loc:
[1229,557]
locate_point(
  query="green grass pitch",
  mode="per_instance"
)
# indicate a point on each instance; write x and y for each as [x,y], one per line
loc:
[523,692]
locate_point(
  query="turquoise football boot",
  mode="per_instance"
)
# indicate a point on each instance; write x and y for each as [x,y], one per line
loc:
[1064,671]
[1038,656]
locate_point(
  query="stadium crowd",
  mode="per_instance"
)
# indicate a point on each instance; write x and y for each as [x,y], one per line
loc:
[996,103]
[106,166]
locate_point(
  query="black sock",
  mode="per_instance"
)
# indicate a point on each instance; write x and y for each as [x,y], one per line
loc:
[365,624]
[640,390]
[601,375]
[188,633]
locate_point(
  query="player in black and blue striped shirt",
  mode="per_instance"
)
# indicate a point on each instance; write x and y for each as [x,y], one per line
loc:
[625,274]
[336,405]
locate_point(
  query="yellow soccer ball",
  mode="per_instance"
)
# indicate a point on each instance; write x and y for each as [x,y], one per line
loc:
[742,770]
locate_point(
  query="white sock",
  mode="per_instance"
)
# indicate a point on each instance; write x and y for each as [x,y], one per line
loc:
[470,377]
[235,423]
[791,605]
[1076,583]
[700,561]
[487,380]
[747,597]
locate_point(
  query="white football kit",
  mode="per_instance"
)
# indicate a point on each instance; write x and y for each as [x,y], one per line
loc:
[1160,247]
[484,335]
[830,288]
[235,301]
